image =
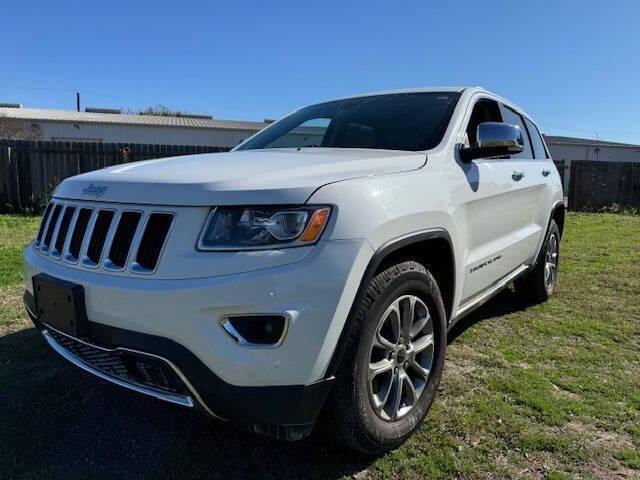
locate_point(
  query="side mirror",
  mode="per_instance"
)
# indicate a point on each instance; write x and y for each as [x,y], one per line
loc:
[495,139]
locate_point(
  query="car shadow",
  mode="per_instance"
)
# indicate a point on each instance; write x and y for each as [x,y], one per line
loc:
[504,303]
[59,422]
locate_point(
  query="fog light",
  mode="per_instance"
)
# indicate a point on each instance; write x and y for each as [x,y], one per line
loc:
[256,331]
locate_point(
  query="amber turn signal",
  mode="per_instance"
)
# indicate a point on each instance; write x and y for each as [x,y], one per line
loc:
[316,225]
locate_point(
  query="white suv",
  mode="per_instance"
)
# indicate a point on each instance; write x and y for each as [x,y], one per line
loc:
[311,273]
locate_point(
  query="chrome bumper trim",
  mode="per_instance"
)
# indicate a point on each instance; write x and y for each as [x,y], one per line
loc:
[185,401]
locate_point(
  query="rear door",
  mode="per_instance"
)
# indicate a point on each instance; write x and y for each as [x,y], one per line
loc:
[501,207]
[545,176]
[528,166]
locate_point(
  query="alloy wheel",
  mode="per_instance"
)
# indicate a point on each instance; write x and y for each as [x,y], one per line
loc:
[551,262]
[401,357]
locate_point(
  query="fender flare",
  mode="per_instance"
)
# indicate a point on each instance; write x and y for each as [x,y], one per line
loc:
[559,204]
[378,256]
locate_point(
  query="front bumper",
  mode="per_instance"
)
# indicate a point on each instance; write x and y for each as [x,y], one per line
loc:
[288,412]
[178,321]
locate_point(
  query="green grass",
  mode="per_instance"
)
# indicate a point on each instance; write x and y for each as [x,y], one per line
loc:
[547,391]
[15,232]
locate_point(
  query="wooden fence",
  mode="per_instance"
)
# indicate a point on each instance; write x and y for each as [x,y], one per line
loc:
[595,185]
[29,171]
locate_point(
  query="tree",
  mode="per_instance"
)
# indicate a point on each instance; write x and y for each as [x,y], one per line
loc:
[160,110]
[16,129]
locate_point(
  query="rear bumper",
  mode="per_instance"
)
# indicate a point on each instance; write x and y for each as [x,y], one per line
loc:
[287,412]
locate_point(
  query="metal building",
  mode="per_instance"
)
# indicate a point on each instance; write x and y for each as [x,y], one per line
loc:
[104,125]
[113,126]
[567,149]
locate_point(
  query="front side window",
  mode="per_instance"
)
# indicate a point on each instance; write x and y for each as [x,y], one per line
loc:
[511,117]
[484,110]
[402,121]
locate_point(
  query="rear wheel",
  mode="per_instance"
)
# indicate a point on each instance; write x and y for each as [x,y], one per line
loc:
[540,283]
[392,363]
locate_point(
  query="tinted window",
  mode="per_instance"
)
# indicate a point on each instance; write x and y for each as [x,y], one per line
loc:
[511,117]
[402,121]
[483,111]
[308,134]
[538,145]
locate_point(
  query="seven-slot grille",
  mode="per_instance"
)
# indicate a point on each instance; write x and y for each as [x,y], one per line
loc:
[111,238]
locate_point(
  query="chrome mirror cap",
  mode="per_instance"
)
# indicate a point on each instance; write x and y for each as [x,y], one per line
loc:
[497,135]
[494,139]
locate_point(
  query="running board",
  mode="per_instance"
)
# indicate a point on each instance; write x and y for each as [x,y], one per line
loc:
[490,292]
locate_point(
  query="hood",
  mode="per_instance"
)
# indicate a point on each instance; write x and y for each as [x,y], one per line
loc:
[273,176]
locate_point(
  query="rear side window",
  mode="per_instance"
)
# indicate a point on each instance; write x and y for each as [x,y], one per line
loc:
[539,149]
[513,118]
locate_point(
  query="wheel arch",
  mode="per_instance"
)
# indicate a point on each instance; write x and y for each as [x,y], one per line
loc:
[558,213]
[415,246]
[431,248]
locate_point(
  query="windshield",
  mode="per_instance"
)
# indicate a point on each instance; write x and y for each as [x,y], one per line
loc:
[400,121]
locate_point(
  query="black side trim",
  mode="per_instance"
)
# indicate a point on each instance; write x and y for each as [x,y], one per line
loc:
[287,411]
[377,258]
[559,205]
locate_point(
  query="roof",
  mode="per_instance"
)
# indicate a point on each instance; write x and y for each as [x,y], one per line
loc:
[37,114]
[557,140]
[414,90]
[400,90]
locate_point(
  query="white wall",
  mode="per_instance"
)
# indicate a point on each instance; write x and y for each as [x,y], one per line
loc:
[606,153]
[141,134]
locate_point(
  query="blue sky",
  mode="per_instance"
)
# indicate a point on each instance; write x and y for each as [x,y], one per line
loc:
[573,65]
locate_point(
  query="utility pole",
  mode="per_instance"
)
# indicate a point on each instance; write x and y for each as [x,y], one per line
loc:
[78,101]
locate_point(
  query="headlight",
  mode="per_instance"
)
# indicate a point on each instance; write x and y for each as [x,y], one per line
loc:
[256,228]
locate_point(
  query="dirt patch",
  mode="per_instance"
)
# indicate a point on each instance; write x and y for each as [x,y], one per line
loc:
[595,437]
[564,392]
[12,314]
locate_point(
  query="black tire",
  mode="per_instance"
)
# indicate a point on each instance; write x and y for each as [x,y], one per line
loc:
[535,286]
[349,415]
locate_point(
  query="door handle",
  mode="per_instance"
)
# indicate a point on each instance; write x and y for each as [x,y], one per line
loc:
[545,172]
[517,175]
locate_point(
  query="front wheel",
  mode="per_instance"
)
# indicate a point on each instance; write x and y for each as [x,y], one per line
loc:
[393,361]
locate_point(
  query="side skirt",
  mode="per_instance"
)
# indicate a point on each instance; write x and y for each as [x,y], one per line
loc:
[487,294]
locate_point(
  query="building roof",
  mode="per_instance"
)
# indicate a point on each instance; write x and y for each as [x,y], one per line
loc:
[37,114]
[40,114]
[557,140]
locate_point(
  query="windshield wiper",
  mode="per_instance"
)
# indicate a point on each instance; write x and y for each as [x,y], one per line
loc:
[312,145]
